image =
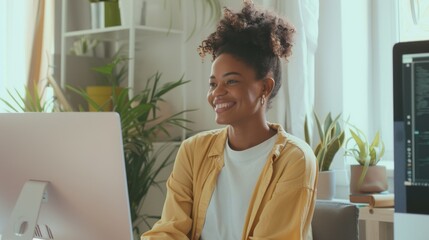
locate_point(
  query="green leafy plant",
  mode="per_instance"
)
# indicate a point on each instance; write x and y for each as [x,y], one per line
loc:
[114,72]
[142,163]
[211,12]
[35,100]
[32,103]
[204,12]
[364,152]
[84,46]
[331,136]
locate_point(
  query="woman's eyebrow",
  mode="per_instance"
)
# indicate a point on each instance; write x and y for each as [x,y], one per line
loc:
[226,75]
[231,73]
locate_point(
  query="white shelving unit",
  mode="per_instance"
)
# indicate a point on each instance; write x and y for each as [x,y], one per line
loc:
[151,48]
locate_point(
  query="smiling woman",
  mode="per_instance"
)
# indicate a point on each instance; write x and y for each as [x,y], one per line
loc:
[231,182]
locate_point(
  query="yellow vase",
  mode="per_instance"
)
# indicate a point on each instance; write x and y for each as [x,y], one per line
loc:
[102,96]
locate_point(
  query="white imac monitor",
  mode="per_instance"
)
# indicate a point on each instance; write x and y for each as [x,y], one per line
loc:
[62,177]
[411,121]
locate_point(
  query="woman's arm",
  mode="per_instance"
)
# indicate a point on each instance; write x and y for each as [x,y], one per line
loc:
[176,222]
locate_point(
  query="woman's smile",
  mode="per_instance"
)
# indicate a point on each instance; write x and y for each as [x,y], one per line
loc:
[222,107]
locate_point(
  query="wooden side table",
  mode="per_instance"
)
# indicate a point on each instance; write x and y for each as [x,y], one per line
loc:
[378,222]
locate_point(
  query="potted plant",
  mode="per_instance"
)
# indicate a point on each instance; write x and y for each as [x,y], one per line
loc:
[366,176]
[105,13]
[112,74]
[331,139]
[139,135]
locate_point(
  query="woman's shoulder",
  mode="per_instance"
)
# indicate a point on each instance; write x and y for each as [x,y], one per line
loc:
[300,144]
[206,136]
[293,144]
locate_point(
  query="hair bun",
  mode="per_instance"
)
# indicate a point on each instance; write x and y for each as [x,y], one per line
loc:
[259,29]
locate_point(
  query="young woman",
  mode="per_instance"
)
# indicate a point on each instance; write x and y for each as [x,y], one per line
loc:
[250,179]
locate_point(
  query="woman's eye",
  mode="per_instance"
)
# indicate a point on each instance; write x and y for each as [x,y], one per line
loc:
[229,82]
[212,85]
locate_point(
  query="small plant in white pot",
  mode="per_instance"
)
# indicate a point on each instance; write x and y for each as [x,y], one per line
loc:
[366,176]
[331,139]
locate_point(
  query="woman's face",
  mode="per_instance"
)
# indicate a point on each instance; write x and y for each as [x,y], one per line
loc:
[234,91]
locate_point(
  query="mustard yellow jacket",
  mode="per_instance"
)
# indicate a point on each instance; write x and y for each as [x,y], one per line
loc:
[282,203]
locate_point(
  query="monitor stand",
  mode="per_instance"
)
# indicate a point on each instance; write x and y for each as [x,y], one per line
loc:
[22,223]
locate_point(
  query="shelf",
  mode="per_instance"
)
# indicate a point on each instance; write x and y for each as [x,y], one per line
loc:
[154,30]
[121,33]
[154,47]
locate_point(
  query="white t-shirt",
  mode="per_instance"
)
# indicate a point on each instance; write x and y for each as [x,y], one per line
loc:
[230,200]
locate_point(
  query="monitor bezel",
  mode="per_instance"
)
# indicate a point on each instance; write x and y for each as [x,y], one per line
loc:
[408,199]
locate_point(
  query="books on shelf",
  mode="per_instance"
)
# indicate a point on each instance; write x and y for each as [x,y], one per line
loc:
[376,200]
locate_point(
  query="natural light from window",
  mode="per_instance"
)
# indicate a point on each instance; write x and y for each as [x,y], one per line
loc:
[412,25]
[13,48]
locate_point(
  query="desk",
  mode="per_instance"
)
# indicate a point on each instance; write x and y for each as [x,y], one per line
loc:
[378,222]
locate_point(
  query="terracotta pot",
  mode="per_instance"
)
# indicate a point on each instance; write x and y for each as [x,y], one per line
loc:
[326,185]
[375,180]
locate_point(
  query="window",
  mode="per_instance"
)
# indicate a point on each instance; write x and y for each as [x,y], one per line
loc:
[412,24]
[390,22]
[18,21]
[14,57]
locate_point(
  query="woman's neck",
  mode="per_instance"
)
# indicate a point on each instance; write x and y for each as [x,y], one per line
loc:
[242,137]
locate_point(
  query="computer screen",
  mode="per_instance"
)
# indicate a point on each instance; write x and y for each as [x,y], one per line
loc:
[411,123]
[72,166]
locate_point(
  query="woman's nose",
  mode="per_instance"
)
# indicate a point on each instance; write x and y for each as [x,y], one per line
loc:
[219,90]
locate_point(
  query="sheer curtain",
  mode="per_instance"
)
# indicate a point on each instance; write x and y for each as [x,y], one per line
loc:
[296,97]
[18,21]
[14,19]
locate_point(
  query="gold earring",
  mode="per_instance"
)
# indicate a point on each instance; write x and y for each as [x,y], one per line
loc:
[262,99]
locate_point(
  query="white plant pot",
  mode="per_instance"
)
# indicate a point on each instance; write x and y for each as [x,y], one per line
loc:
[139,8]
[326,185]
[97,15]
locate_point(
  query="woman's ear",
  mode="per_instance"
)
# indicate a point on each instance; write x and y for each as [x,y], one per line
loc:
[269,84]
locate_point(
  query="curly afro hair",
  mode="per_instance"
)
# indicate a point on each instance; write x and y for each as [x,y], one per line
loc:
[257,37]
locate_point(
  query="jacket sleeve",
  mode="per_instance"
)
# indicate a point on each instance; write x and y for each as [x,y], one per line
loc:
[176,222]
[288,214]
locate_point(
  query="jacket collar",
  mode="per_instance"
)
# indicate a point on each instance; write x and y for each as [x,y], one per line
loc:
[218,147]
